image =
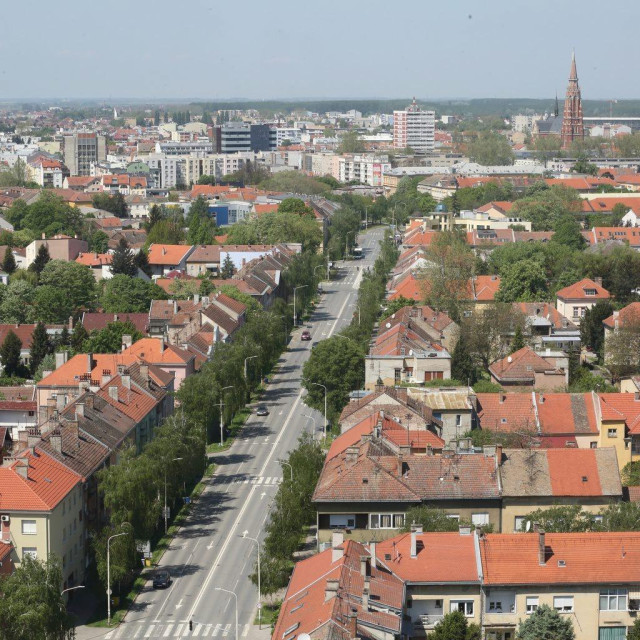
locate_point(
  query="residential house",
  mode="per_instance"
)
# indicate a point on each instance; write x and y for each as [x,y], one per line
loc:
[164,258]
[25,335]
[541,478]
[87,184]
[99,263]
[526,369]
[175,320]
[60,247]
[98,320]
[437,325]
[574,300]
[627,322]
[546,327]
[18,409]
[224,315]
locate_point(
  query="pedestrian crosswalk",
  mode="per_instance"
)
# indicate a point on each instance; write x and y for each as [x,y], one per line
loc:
[141,631]
[249,480]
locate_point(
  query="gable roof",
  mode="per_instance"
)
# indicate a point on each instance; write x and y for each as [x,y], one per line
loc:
[577,291]
[168,254]
[521,365]
[93,321]
[629,316]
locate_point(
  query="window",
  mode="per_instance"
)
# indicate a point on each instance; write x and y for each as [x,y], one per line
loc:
[464,606]
[30,552]
[589,292]
[453,516]
[396,375]
[29,528]
[612,433]
[458,420]
[519,523]
[479,519]
[342,521]
[613,600]
[563,604]
[386,520]
[532,603]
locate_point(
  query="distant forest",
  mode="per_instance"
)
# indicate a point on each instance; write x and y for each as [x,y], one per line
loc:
[470,108]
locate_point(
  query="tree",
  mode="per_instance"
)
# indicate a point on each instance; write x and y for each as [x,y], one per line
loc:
[518,340]
[454,626]
[523,281]
[567,233]
[40,346]
[74,281]
[338,364]
[181,289]
[124,294]
[633,633]
[430,519]
[561,519]
[115,204]
[155,215]
[630,474]
[16,305]
[123,260]
[141,260]
[79,335]
[351,143]
[591,327]
[49,214]
[98,242]
[109,339]
[10,355]
[545,623]
[48,363]
[620,516]
[544,206]
[491,148]
[393,306]
[42,257]
[462,363]
[9,262]
[166,232]
[228,268]
[201,226]
[32,605]
[583,165]
[295,205]
[294,182]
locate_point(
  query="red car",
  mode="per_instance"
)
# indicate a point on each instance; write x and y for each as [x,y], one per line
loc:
[305,335]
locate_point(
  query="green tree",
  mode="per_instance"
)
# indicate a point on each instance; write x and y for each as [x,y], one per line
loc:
[141,260]
[49,214]
[430,519]
[620,516]
[294,182]
[491,148]
[109,339]
[567,233]
[633,633]
[583,165]
[545,623]
[545,206]
[32,605]
[591,327]
[351,143]
[455,626]
[123,260]
[339,365]
[156,214]
[16,305]
[630,475]
[9,262]
[200,225]
[10,355]
[48,363]
[524,281]
[462,363]
[166,231]
[75,281]
[98,242]
[295,205]
[42,257]
[79,335]
[52,305]
[395,305]
[40,346]
[561,519]
[115,204]
[518,340]
[228,268]
[124,294]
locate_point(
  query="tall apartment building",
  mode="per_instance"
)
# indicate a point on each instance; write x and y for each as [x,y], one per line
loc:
[363,168]
[242,136]
[414,128]
[83,149]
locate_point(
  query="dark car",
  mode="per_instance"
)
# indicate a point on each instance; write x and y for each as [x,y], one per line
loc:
[161,579]
[305,335]
[262,410]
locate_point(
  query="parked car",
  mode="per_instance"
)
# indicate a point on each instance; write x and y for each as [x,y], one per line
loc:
[161,579]
[262,410]
[305,335]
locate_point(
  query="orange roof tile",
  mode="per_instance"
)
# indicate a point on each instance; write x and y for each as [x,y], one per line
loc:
[168,254]
[629,315]
[577,291]
[156,351]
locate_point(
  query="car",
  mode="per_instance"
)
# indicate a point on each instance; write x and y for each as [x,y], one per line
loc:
[262,410]
[161,579]
[305,335]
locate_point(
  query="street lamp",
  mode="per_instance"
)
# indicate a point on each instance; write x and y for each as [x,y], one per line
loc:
[320,266]
[245,365]
[246,537]
[324,433]
[221,404]
[233,593]
[116,535]
[288,465]
[166,513]
[306,415]
[80,586]
[295,318]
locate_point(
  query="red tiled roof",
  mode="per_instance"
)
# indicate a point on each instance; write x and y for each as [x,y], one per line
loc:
[167,254]
[485,287]
[93,321]
[522,365]
[629,315]
[156,351]
[94,259]
[577,290]
[513,558]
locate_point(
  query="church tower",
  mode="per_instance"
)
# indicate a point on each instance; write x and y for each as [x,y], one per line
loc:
[572,125]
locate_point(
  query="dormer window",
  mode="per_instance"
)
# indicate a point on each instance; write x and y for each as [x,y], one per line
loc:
[589,292]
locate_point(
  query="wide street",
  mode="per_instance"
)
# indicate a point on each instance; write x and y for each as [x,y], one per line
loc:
[209,551]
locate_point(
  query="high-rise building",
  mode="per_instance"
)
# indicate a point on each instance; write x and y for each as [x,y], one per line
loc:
[242,136]
[414,128]
[83,149]
[572,124]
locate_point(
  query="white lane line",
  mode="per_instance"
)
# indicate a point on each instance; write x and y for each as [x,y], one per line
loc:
[149,631]
[338,317]
[217,630]
[168,630]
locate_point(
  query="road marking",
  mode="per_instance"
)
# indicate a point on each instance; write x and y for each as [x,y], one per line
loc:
[179,629]
[207,629]
[149,631]
[339,314]
[167,631]
[135,635]
[226,630]
[260,480]
[245,633]
[216,631]
[179,603]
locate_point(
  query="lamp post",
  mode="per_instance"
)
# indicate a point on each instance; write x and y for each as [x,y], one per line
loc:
[233,593]
[295,318]
[80,586]
[221,404]
[166,514]
[324,432]
[284,462]
[320,266]
[306,415]
[116,535]
[245,365]
[246,537]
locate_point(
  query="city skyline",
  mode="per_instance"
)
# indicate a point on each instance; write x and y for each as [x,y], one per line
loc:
[288,51]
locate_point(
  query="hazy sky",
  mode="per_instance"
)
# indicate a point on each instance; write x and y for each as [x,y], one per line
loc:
[328,48]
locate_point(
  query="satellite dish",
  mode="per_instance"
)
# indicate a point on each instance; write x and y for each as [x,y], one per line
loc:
[528,527]
[304,636]
[388,325]
[509,359]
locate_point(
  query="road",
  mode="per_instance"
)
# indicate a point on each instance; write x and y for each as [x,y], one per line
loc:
[209,551]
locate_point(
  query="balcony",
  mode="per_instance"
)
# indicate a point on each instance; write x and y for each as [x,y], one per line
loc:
[427,621]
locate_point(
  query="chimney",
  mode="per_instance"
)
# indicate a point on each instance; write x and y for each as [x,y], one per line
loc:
[144,372]
[503,398]
[56,441]
[113,393]
[331,590]
[351,455]
[89,401]
[72,429]
[89,362]
[126,380]
[337,539]
[365,566]
[60,402]
[196,298]
[106,376]
[598,281]
[61,358]
[22,468]
[542,550]
[127,341]
[499,454]
[33,437]
[372,549]
[79,409]
[365,594]
[415,530]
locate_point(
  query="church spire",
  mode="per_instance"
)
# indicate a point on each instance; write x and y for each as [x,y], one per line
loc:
[556,110]
[572,124]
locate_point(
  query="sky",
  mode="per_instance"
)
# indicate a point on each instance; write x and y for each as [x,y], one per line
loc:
[270,49]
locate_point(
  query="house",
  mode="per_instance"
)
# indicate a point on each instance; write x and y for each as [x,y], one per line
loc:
[404,352]
[546,327]
[372,485]
[60,247]
[626,322]
[99,263]
[41,507]
[18,410]
[168,257]
[25,335]
[224,315]
[437,325]
[175,320]
[205,260]
[342,593]
[574,300]
[541,478]
[88,184]
[525,368]
[98,320]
